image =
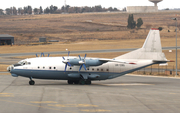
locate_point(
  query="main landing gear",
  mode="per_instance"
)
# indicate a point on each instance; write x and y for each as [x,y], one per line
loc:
[81,82]
[31,82]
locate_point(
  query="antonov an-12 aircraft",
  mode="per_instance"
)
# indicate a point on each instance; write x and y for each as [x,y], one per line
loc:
[83,70]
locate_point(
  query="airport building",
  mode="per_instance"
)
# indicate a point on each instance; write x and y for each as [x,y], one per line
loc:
[6,39]
[144,9]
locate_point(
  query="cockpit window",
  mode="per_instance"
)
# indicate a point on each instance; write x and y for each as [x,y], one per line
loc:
[24,63]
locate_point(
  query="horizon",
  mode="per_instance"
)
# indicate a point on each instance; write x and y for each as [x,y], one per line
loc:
[80,3]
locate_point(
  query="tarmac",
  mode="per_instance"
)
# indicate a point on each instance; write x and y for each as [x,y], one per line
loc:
[126,94]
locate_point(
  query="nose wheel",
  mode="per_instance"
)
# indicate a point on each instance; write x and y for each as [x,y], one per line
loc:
[31,82]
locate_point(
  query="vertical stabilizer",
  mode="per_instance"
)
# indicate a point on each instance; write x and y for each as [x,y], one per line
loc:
[151,48]
[153,41]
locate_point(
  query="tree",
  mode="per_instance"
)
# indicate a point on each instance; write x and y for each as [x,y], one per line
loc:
[47,10]
[25,10]
[8,11]
[124,9]
[36,11]
[51,9]
[41,10]
[139,23]
[160,28]
[131,22]
[14,11]
[1,12]
[110,9]
[29,10]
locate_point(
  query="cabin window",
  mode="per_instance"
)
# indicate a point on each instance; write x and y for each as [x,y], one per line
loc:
[49,67]
[107,69]
[70,68]
[116,64]
[93,69]
[54,67]
[101,69]
[38,67]
[87,68]
[29,63]
[97,69]
[43,67]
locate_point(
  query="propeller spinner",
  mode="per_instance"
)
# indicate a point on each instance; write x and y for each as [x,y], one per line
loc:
[66,61]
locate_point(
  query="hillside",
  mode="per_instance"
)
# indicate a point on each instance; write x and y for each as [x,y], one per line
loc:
[83,27]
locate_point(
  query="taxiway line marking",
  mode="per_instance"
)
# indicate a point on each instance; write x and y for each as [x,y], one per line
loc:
[35,105]
[135,84]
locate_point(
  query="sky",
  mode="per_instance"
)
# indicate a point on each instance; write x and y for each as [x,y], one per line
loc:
[104,3]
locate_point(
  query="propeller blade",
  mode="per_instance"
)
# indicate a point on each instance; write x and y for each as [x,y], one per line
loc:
[42,54]
[80,68]
[65,68]
[68,53]
[69,64]
[48,54]
[85,56]
[36,55]
[63,58]
[84,66]
[79,57]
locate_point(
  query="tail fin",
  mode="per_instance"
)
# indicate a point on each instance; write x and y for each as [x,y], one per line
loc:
[151,48]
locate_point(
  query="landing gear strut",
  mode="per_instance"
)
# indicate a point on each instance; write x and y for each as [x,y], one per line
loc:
[31,82]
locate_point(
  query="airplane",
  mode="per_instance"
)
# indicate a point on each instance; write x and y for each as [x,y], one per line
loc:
[83,70]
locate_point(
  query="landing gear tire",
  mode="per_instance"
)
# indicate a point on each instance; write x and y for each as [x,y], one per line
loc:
[76,82]
[88,82]
[81,82]
[70,82]
[31,82]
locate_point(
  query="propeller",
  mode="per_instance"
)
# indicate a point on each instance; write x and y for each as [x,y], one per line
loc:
[42,54]
[82,62]
[66,61]
[48,54]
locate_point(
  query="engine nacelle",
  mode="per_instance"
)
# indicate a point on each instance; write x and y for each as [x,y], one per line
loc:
[87,62]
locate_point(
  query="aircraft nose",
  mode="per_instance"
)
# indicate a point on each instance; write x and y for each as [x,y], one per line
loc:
[11,67]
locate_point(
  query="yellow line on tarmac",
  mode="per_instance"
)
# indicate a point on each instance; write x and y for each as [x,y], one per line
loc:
[72,105]
[45,102]
[132,84]
[95,110]
[35,106]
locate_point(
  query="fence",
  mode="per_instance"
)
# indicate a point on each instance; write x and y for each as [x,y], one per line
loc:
[158,70]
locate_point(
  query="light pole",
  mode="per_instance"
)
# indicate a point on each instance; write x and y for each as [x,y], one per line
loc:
[176,45]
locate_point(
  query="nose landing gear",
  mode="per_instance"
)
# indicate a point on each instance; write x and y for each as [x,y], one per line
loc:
[31,82]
